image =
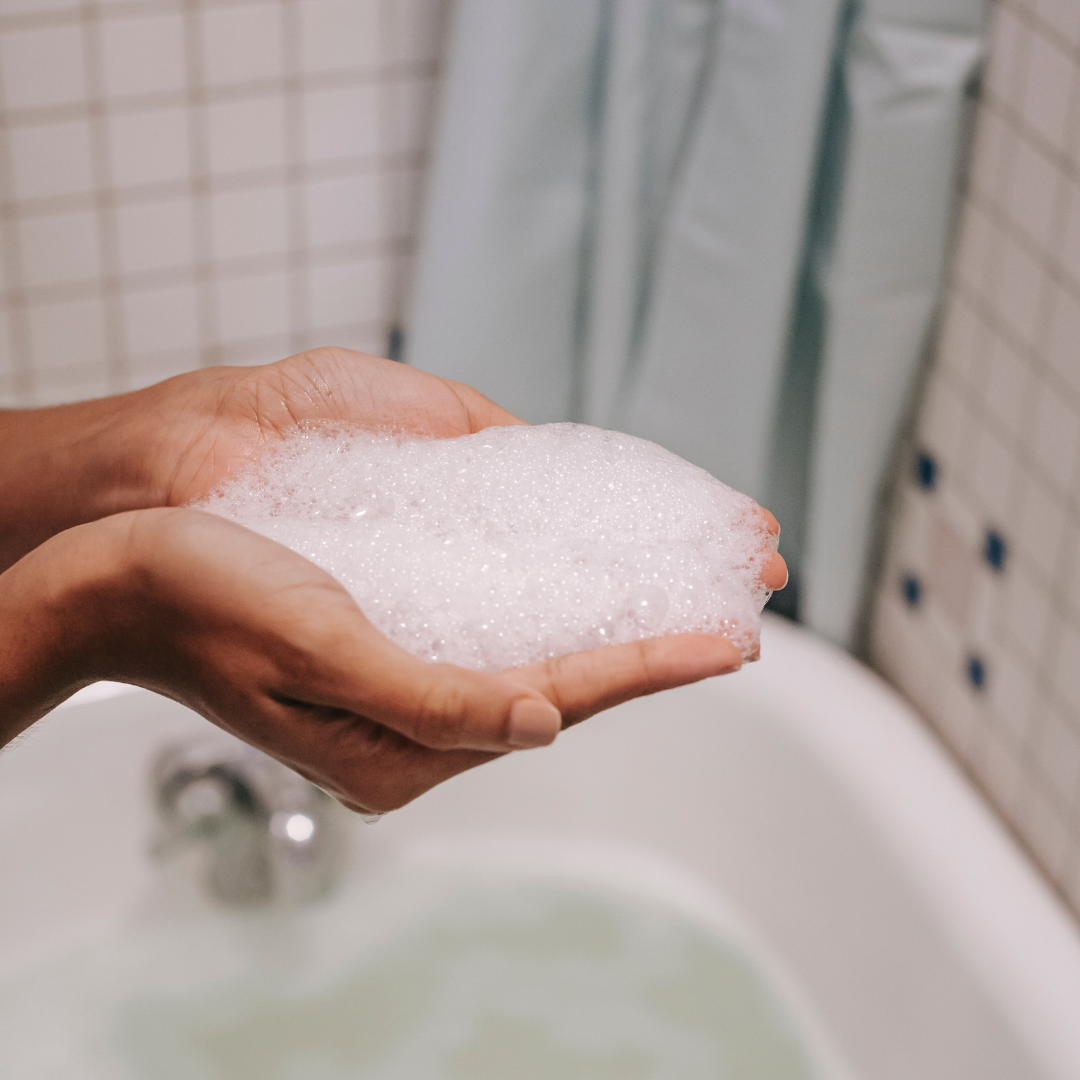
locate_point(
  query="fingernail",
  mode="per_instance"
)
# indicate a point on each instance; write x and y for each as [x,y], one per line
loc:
[533,723]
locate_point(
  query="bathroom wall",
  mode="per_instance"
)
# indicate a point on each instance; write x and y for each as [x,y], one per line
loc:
[189,182]
[978,616]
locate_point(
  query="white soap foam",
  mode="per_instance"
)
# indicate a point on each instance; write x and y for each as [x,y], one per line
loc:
[515,544]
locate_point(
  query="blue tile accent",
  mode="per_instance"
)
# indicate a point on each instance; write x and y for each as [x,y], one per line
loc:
[996,549]
[976,672]
[911,588]
[926,471]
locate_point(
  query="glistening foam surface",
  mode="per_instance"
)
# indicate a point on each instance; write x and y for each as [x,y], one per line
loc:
[515,544]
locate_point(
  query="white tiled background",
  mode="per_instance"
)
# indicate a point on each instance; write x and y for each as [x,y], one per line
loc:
[188,182]
[990,653]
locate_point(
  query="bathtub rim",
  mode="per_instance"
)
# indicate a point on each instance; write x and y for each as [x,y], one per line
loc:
[1018,937]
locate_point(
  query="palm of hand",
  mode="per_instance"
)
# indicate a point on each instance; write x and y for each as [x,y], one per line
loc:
[238,411]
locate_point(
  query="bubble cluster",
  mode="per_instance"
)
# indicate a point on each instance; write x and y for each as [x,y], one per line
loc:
[515,544]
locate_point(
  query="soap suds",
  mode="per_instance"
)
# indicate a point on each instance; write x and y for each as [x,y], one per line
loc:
[515,544]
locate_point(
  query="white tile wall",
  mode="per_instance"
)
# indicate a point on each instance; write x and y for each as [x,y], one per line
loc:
[978,616]
[189,182]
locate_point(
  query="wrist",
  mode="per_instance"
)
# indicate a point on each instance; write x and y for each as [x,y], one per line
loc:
[57,619]
[72,464]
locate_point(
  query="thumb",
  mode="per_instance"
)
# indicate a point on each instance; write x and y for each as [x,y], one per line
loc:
[440,706]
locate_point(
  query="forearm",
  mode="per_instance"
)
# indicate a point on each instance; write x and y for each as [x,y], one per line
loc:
[71,464]
[55,607]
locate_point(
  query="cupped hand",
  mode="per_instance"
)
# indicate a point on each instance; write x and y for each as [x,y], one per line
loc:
[223,417]
[269,647]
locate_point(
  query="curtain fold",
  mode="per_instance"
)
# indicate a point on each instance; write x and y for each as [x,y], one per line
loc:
[718,225]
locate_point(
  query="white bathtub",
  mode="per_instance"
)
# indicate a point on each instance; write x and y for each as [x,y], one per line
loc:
[802,789]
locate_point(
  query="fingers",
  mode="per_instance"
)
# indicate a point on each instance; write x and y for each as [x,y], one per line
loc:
[771,524]
[774,575]
[439,706]
[585,683]
[367,767]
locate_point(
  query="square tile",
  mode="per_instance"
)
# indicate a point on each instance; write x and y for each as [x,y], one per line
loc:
[1057,754]
[956,717]
[60,248]
[997,765]
[1012,683]
[1040,527]
[249,223]
[992,473]
[67,333]
[261,351]
[1043,827]
[1024,614]
[1063,345]
[143,55]
[253,308]
[42,67]
[341,295]
[342,125]
[1033,194]
[27,7]
[149,147]
[81,382]
[340,35]
[161,320]
[367,338]
[1019,289]
[155,236]
[1008,53]
[1067,667]
[53,159]
[415,30]
[1054,437]
[246,135]
[943,424]
[979,250]
[1069,255]
[1005,384]
[402,192]
[993,154]
[410,108]
[7,366]
[1048,90]
[242,44]
[344,211]
[1062,16]
[149,370]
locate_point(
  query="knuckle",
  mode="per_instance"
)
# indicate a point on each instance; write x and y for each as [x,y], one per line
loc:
[441,714]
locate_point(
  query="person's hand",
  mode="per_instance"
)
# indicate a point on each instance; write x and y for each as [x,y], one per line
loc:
[231,414]
[175,441]
[268,646]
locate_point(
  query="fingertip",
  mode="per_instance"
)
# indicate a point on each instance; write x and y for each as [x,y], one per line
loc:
[774,576]
[533,722]
[771,524]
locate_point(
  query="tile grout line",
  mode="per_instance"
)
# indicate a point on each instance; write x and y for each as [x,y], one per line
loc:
[117,362]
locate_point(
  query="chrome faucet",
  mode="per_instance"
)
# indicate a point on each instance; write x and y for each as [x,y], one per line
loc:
[270,836]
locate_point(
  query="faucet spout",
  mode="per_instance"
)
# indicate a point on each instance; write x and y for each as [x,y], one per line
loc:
[270,836]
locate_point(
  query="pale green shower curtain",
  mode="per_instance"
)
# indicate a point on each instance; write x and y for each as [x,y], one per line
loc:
[628,196]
